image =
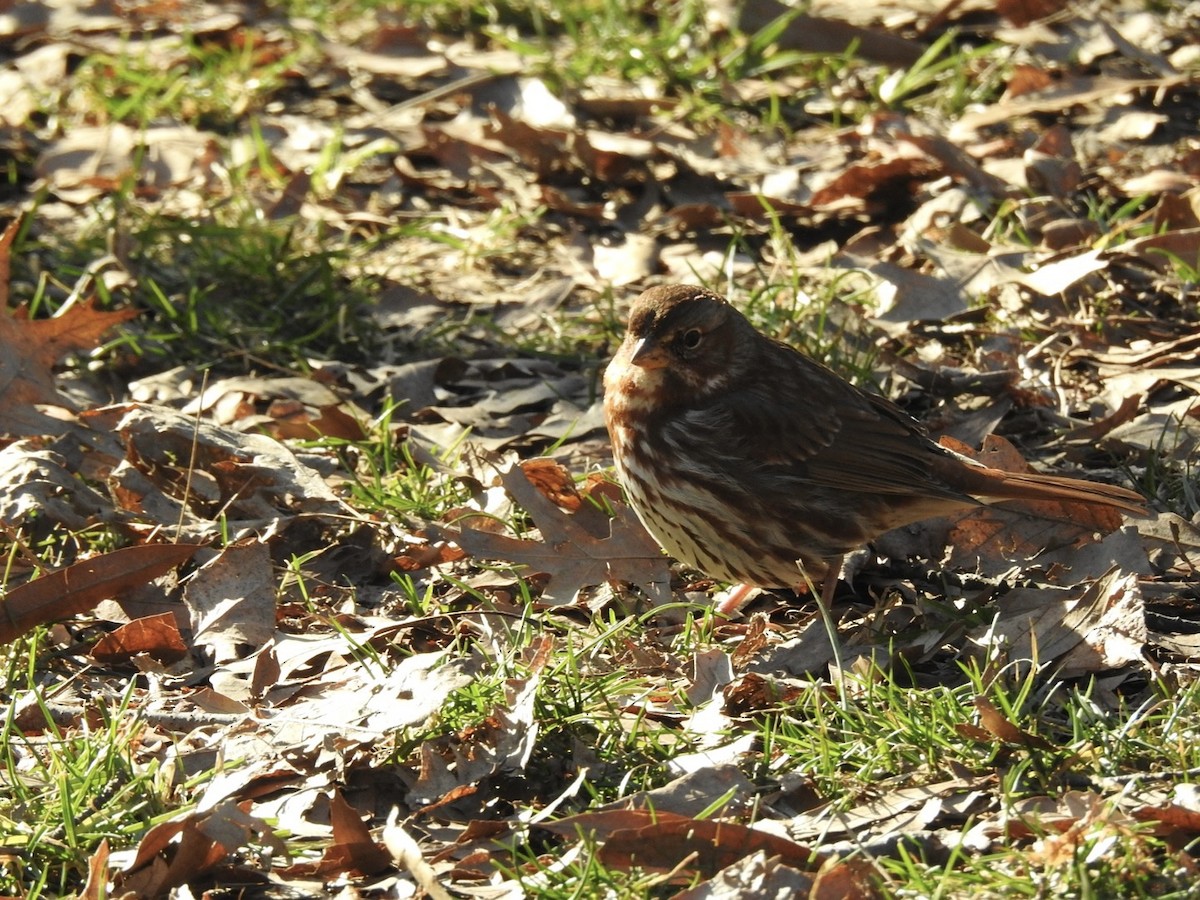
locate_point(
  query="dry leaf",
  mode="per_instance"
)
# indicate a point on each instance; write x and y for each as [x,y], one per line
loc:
[231,600]
[77,588]
[995,722]
[29,349]
[353,851]
[175,853]
[663,841]
[158,636]
[571,555]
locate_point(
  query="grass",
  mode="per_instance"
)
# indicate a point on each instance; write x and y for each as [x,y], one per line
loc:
[230,291]
[389,479]
[68,787]
[206,83]
[946,79]
[72,789]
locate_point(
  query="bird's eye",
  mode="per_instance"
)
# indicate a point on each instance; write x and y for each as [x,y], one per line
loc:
[692,338]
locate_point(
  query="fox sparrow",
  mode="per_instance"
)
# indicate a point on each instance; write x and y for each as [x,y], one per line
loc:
[751,462]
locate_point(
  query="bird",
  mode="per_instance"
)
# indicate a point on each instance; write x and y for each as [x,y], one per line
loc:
[756,465]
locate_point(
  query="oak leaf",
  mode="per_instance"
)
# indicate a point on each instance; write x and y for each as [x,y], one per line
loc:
[30,348]
[571,554]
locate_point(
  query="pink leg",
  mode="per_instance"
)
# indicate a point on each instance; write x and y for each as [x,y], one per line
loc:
[732,601]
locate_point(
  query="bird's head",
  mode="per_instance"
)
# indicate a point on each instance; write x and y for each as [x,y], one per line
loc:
[683,339]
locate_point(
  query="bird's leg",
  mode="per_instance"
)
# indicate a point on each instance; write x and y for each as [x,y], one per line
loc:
[824,607]
[729,604]
[737,595]
[829,585]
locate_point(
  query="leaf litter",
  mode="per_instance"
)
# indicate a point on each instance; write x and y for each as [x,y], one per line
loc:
[309,690]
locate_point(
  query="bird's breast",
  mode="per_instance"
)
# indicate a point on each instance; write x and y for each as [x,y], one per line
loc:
[628,388]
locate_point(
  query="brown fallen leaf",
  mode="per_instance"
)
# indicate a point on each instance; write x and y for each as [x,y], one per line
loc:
[997,536]
[180,851]
[1024,12]
[29,349]
[849,878]
[96,887]
[554,482]
[157,636]
[571,555]
[6,239]
[1169,818]
[353,851]
[662,841]
[37,344]
[819,34]
[995,722]
[77,588]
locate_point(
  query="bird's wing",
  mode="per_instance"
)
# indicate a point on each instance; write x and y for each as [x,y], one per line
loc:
[798,422]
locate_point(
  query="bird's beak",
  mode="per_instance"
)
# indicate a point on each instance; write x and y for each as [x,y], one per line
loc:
[648,355]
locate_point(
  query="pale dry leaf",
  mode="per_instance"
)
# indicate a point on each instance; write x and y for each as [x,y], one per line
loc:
[92,160]
[807,652]
[1078,631]
[503,743]
[527,100]
[1117,636]
[255,480]
[569,554]
[372,704]
[1080,826]
[906,295]
[1173,541]
[397,60]
[1172,427]
[693,793]
[519,725]
[31,78]
[626,261]
[1059,96]
[891,811]
[1125,548]
[231,601]
[754,877]
[1052,279]
[407,854]
[38,483]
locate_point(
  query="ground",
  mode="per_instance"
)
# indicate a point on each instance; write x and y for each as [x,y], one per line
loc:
[316,580]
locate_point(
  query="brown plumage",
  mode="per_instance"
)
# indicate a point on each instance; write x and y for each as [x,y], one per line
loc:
[746,459]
